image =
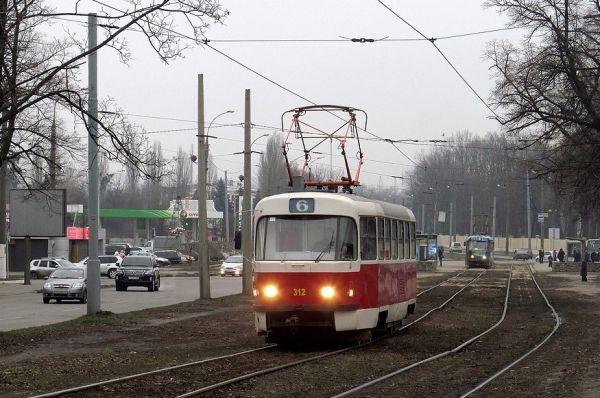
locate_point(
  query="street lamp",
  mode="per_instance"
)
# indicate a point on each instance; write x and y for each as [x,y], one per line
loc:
[312,161]
[208,130]
[258,138]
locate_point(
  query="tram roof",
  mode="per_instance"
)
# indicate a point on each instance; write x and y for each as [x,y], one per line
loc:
[364,206]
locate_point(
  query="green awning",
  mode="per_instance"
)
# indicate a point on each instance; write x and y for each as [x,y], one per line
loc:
[135,213]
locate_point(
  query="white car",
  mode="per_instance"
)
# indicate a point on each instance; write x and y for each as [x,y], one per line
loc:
[455,247]
[109,265]
[233,265]
[43,267]
[546,255]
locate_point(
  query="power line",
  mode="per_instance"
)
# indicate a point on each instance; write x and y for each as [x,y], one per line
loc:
[432,40]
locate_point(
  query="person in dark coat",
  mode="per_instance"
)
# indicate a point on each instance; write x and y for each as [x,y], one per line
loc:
[561,255]
[440,254]
[550,260]
[577,255]
[541,256]
[584,267]
[127,250]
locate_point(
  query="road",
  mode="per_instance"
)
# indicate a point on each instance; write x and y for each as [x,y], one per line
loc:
[21,307]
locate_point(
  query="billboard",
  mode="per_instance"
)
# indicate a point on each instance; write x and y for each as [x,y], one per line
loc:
[38,213]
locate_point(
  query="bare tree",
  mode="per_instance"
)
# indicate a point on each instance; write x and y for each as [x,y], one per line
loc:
[36,72]
[272,176]
[548,89]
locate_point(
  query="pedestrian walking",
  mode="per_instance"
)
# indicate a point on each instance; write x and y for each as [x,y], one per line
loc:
[127,250]
[541,256]
[550,260]
[584,267]
[555,255]
[561,255]
[440,254]
[576,255]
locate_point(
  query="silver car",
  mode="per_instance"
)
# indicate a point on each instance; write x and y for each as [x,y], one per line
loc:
[233,265]
[66,283]
[43,267]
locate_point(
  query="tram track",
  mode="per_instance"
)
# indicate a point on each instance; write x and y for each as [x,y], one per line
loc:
[457,370]
[95,386]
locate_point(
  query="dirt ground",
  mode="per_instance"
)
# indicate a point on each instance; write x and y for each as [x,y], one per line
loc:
[96,348]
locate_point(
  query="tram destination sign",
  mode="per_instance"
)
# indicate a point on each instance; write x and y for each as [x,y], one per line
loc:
[302,205]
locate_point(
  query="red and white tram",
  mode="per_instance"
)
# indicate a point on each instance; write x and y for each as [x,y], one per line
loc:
[332,262]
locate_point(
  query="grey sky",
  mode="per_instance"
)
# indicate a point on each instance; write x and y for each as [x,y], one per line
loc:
[406,87]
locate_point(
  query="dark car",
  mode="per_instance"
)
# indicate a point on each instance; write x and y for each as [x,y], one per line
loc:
[172,255]
[522,255]
[138,271]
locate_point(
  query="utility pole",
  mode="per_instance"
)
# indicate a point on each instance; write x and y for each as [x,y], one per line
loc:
[542,224]
[434,217]
[246,204]
[93,264]
[507,233]
[226,210]
[423,217]
[204,275]
[528,213]
[451,221]
[52,165]
[494,219]
[471,219]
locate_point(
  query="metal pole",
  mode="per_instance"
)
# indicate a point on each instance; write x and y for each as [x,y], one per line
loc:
[451,221]
[434,217]
[202,221]
[494,219]
[507,233]
[93,264]
[423,218]
[528,213]
[543,224]
[246,205]
[471,219]
[226,210]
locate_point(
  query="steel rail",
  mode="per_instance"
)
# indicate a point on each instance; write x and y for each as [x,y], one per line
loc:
[320,356]
[151,372]
[184,365]
[441,283]
[433,357]
[531,351]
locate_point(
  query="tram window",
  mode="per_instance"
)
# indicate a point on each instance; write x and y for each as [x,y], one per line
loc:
[401,243]
[380,235]
[387,235]
[368,238]
[394,229]
[413,242]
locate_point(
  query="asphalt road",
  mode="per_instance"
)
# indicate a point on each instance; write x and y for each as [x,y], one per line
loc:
[20,307]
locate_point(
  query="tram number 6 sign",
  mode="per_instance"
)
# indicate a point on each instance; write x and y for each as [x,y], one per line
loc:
[304,205]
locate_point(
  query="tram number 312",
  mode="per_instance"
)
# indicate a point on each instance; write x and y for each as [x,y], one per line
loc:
[299,292]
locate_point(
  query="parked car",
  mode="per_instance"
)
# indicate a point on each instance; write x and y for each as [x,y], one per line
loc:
[139,250]
[138,271]
[109,265]
[43,267]
[66,283]
[522,255]
[455,247]
[233,265]
[115,247]
[173,256]
[546,255]
[161,261]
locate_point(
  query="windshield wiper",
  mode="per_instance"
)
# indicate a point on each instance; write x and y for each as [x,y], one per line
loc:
[328,248]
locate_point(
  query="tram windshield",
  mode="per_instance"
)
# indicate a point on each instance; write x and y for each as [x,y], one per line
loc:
[477,246]
[306,237]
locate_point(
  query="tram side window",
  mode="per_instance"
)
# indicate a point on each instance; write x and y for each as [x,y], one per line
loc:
[387,232]
[413,242]
[368,238]
[401,240]
[380,235]
[394,229]
[407,251]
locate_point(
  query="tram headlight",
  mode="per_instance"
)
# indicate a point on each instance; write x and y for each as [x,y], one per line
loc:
[327,292]
[484,257]
[472,256]
[270,291]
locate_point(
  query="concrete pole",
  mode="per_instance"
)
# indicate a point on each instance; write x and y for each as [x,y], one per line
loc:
[202,219]
[451,220]
[226,212]
[52,165]
[434,218]
[494,219]
[528,213]
[471,219]
[246,205]
[93,264]
[542,225]
[507,233]
[423,218]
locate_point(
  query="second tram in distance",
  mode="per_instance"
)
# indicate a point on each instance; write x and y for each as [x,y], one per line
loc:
[479,251]
[329,262]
